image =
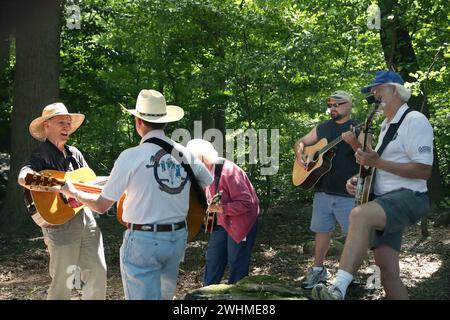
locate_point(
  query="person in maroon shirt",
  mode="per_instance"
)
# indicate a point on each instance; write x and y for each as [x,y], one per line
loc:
[234,230]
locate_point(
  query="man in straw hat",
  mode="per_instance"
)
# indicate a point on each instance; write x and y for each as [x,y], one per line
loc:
[77,242]
[156,204]
[400,189]
[331,201]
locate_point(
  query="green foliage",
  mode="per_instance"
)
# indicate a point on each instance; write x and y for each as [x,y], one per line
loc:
[6,102]
[269,64]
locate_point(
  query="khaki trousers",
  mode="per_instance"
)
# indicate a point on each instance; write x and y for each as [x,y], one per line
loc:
[77,258]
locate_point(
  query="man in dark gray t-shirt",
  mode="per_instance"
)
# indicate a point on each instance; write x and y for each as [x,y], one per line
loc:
[331,200]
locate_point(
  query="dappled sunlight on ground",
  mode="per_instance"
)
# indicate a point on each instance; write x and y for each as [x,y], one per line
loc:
[425,263]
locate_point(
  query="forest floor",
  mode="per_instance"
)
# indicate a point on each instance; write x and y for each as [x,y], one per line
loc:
[425,263]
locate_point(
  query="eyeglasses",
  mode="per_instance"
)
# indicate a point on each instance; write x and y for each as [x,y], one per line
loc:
[335,105]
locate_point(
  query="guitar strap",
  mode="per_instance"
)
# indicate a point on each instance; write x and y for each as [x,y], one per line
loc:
[391,132]
[217,174]
[389,136]
[197,188]
[74,163]
[75,166]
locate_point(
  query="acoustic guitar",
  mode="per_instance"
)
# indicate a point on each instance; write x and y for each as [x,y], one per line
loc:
[211,216]
[195,216]
[364,185]
[50,208]
[318,159]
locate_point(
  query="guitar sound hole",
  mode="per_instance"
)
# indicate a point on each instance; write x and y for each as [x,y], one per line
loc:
[316,157]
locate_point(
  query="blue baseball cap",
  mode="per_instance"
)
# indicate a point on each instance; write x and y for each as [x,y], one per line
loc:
[384,77]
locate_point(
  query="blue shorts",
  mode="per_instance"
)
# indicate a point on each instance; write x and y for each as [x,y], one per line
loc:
[403,207]
[327,208]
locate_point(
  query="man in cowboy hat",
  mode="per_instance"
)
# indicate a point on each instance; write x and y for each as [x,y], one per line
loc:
[331,201]
[400,189]
[77,242]
[156,203]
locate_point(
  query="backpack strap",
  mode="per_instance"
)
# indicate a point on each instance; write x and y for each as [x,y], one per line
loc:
[197,188]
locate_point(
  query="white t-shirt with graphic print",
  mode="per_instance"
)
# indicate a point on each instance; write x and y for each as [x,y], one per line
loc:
[155,184]
[413,142]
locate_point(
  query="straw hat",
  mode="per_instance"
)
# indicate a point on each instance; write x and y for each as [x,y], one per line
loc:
[151,107]
[55,109]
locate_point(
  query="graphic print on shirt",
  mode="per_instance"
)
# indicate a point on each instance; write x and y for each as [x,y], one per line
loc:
[168,172]
[395,136]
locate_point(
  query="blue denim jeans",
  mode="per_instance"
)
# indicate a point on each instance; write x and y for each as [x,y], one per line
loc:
[149,263]
[327,209]
[223,250]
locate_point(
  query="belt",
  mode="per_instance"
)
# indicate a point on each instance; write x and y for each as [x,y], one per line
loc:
[157,227]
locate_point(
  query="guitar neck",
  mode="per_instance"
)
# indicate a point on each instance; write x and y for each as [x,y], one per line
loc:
[362,191]
[336,141]
[331,144]
[90,188]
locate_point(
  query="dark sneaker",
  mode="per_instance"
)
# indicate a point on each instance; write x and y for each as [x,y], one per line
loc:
[315,277]
[322,292]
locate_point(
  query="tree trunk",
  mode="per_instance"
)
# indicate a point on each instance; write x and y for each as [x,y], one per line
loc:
[6,26]
[4,47]
[399,55]
[35,85]
[6,31]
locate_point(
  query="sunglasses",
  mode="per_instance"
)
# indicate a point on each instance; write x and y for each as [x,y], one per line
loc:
[335,105]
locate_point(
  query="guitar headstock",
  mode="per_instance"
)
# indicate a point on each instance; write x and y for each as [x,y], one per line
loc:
[37,181]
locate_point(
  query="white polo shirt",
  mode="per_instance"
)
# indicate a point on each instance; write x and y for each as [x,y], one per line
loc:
[413,142]
[156,185]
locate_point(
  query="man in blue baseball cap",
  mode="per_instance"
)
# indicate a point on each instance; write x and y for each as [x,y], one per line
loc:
[400,187]
[384,77]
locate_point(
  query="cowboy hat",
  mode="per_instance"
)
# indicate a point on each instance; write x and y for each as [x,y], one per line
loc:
[52,110]
[151,107]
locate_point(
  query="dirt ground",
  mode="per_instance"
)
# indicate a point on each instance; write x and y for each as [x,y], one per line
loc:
[425,263]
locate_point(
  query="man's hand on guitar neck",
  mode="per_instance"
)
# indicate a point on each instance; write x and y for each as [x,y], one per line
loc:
[69,190]
[350,138]
[354,141]
[368,158]
[93,200]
